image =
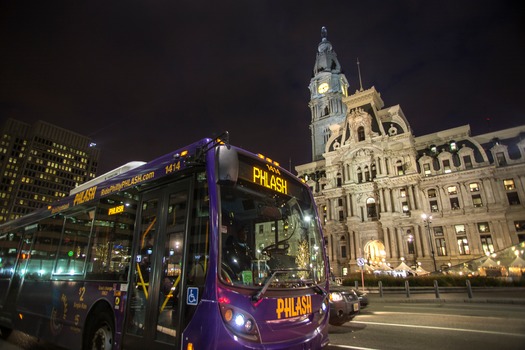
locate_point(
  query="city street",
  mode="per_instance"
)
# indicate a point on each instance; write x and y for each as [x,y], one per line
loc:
[432,326]
[400,325]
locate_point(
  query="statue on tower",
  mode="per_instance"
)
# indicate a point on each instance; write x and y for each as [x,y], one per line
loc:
[326,57]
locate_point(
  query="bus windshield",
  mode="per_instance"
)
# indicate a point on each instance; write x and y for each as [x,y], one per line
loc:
[269,238]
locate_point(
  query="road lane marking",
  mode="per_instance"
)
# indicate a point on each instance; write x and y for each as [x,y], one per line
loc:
[349,347]
[440,328]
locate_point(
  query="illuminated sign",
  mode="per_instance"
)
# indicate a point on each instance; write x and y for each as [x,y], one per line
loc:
[116,210]
[291,307]
[85,196]
[270,176]
[270,179]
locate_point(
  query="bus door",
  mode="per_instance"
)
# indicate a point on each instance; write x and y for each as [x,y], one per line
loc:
[154,308]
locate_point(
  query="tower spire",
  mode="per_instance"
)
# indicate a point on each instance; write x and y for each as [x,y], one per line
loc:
[359,73]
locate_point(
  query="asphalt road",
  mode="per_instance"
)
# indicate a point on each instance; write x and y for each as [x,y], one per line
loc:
[433,326]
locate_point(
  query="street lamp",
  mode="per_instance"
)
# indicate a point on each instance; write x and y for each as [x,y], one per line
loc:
[426,219]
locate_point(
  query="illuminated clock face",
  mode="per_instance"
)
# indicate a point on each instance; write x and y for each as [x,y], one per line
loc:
[323,88]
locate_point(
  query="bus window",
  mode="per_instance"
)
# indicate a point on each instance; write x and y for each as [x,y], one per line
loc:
[110,253]
[43,252]
[71,257]
[8,252]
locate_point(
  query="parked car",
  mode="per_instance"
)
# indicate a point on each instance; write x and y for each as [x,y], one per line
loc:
[363,298]
[344,304]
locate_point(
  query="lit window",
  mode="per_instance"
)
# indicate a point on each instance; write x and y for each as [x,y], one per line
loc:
[463,246]
[426,169]
[441,247]
[446,166]
[483,227]
[474,187]
[403,192]
[434,206]
[438,230]
[460,229]
[452,190]
[453,146]
[431,193]
[486,244]
[509,184]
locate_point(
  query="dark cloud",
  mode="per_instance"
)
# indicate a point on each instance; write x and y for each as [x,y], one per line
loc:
[144,77]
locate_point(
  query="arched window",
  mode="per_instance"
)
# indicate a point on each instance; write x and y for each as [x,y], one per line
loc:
[361,133]
[367,174]
[371,208]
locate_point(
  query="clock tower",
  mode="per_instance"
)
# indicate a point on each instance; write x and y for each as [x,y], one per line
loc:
[328,87]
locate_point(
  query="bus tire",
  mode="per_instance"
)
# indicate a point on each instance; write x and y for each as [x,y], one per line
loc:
[100,331]
[5,332]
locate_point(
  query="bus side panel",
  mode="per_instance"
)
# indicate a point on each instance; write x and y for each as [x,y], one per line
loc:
[57,310]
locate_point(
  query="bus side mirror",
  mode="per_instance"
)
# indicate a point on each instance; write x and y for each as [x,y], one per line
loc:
[227,165]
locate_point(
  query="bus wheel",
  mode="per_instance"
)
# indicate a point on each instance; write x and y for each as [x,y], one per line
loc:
[99,332]
[5,332]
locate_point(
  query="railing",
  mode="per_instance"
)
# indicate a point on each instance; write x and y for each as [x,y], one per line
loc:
[436,290]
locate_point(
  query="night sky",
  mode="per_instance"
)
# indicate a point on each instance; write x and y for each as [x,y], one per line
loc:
[143,78]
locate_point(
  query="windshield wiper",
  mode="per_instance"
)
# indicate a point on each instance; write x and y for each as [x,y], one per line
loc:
[269,280]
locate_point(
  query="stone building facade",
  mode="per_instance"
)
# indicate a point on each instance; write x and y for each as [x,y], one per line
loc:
[388,196]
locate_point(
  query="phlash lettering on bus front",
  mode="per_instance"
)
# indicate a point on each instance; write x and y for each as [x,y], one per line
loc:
[270,179]
[291,307]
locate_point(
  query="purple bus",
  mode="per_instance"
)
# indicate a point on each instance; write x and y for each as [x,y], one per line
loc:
[207,247]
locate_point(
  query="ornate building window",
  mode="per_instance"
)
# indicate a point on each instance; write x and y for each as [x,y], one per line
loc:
[483,227]
[452,190]
[467,161]
[359,175]
[509,184]
[367,174]
[454,203]
[477,201]
[453,146]
[371,208]
[405,207]
[403,192]
[400,168]
[446,166]
[463,246]
[426,169]
[431,193]
[500,157]
[513,198]
[460,229]
[360,133]
[474,187]
[441,247]
[486,244]
[438,231]
[434,206]
[343,247]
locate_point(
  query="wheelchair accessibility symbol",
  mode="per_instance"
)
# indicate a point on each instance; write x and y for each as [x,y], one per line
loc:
[193,296]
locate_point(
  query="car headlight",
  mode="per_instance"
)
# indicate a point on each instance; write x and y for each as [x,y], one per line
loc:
[336,296]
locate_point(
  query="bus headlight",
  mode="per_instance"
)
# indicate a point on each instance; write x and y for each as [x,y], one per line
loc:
[239,322]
